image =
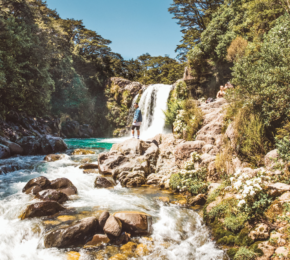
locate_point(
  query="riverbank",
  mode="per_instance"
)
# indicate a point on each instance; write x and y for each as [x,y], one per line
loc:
[176,232]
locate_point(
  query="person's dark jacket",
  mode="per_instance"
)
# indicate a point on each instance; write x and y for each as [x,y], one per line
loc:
[137,115]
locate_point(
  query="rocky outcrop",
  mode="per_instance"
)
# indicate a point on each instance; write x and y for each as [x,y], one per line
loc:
[64,185]
[113,227]
[13,147]
[72,129]
[4,152]
[75,235]
[102,182]
[37,184]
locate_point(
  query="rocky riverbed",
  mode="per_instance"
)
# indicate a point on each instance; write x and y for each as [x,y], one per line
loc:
[55,199]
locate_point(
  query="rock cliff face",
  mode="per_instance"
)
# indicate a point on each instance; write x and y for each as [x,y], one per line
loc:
[120,94]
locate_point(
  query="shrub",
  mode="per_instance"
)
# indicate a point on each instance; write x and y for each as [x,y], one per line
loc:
[283,147]
[245,254]
[237,49]
[235,223]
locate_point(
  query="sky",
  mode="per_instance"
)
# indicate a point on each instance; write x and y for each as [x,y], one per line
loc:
[135,27]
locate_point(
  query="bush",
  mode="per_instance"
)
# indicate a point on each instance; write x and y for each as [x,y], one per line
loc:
[237,49]
[283,147]
[245,254]
[235,223]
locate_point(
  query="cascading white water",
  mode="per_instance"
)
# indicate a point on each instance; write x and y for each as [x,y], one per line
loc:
[153,103]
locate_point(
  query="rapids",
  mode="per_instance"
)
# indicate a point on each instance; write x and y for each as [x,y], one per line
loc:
[178,233]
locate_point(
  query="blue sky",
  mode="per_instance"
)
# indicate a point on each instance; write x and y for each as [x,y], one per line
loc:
[135,27]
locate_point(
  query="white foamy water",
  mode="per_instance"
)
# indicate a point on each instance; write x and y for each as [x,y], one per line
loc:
[177,233]
[153,103]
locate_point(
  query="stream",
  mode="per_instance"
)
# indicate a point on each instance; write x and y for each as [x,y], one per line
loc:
[178,233]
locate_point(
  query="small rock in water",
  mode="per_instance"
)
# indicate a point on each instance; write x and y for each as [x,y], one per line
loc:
[89,166]
[103,218]
[123,238]
[35,185]
[90,171]
[102,182]
[113,226]
[42,209]
[52,195]
[53,157]
[97,241]
[74,235]
[200,199]
[82,152]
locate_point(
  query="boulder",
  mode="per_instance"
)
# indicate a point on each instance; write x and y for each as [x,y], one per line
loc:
[90,171]
[86,131]
[37,184]
[4,151]
[108,162]
[281,253]
[200,199]
[64,185]
[182,151]
[154,179]
[277,189]
[135,223]
[102,182]
[52,195]
[30,145]
[82,152]
[42,209]
[54,157]
[73,236]
[89,166]
[261,232]
[13,147]
[132,179]
[57,144]
[278,239]
[113,226]
[97,241]
[103,218]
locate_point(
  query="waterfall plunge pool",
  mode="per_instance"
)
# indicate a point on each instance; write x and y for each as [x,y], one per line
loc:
[178,233]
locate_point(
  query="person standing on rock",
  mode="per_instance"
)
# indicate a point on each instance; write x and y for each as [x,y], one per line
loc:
[137,121]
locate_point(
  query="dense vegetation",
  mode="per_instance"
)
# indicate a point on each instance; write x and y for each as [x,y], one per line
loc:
[50,65]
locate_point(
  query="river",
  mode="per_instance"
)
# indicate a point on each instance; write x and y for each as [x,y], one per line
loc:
[178,233]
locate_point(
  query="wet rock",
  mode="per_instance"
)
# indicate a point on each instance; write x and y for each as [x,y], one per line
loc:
[142,250]
[123,239]
[90,171]
[103,218]
[64,185]
[71,129]
[4,152]
[74,235]
[13,147]
[261,232]
[200,199]
[154,179]
[89,166]
[135,223]
[97,241]
[132,179]
[52,195]
[267,250]
[113,226]
[102,182]
[183,150]
[57,144]
[278,189]
[82,152]
[42,209]
[37,184]
[30,145]
[54,157]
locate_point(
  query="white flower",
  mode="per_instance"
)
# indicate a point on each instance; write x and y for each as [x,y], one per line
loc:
[241,203]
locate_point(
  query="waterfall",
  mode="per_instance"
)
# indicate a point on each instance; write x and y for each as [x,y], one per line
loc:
[152,104]
[131,111]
